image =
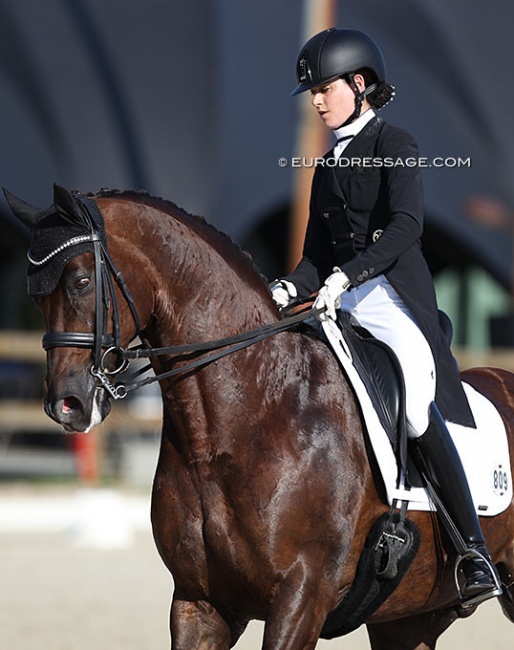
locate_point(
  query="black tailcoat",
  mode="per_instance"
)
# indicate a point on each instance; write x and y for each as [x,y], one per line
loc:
[366,217]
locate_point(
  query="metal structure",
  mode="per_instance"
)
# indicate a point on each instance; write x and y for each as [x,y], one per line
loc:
[191,101]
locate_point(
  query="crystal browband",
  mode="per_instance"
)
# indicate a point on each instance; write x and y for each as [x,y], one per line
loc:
[71,242]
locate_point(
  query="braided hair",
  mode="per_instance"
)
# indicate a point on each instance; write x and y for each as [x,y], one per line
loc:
[382,94]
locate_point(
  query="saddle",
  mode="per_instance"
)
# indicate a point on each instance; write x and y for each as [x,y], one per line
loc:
[392,543]
[381,373]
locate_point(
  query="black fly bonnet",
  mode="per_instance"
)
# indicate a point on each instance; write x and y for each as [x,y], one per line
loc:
[57,236]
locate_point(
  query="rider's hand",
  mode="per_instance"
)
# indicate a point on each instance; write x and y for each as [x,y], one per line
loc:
[283,293]
[329,296]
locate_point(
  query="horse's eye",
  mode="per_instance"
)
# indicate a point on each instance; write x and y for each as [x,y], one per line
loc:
[82,284]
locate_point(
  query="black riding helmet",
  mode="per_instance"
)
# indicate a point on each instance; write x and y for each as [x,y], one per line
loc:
[335,53]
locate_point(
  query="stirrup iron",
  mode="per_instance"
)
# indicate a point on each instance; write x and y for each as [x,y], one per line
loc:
[484,595]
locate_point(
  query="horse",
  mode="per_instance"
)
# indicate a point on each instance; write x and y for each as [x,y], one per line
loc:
[265,487]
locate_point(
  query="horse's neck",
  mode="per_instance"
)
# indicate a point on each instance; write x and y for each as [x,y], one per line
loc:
[204,290]
[202,294]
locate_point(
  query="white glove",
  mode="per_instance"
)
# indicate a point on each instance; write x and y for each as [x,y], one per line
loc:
[329,296]
[283,293]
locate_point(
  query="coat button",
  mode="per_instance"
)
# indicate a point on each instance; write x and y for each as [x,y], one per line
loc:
[326,215]
[351,235]
[333,242]
[360,278]
[365,274]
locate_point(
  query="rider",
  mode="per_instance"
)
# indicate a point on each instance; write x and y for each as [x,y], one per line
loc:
[362,248]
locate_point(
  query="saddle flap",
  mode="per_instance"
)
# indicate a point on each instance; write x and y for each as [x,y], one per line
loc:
[381,374]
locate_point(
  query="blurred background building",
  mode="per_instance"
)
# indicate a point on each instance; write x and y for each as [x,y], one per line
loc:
[190,101]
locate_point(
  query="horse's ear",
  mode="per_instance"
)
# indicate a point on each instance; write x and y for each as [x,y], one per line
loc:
[64,202]
[68,207]
[25,212]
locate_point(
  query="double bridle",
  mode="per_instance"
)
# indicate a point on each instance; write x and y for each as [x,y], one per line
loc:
[105,344]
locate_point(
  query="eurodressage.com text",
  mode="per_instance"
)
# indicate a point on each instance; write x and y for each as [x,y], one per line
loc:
[374,162]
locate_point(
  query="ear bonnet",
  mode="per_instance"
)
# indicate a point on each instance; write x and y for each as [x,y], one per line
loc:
[69,227]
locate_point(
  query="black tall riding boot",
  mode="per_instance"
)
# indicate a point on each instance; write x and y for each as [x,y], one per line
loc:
[439,459]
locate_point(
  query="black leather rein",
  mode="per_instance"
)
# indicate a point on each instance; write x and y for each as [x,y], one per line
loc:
[219,348]
[179,353]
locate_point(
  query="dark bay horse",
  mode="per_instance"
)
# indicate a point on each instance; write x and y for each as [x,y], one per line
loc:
[263,494]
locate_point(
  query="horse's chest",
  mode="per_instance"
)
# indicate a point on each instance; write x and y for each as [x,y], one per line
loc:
[194,528]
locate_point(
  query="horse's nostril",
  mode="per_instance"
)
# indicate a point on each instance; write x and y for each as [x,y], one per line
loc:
[70,404]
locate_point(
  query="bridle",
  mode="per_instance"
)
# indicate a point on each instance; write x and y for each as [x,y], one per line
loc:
[105,344]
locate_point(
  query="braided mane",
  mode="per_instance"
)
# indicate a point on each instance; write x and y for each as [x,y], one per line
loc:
[170,207]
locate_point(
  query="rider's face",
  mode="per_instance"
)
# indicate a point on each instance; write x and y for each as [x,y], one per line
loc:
[335,101]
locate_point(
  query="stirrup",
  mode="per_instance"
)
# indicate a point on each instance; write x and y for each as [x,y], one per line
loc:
[484,595]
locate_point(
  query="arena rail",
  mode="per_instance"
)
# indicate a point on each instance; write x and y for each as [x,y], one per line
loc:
[129,420]
[27,415]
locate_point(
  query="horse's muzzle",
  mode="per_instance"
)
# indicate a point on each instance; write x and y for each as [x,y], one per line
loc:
[76,411]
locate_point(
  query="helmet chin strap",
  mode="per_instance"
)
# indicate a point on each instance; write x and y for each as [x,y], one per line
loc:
[359,98]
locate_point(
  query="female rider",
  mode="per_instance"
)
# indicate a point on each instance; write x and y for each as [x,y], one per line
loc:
[362,247]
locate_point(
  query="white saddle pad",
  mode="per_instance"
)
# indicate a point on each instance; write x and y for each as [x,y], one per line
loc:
[484,451]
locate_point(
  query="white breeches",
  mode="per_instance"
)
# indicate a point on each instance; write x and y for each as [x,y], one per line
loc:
[377,307]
